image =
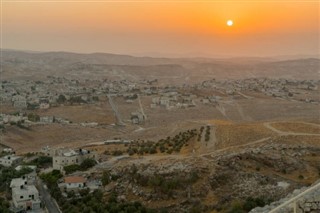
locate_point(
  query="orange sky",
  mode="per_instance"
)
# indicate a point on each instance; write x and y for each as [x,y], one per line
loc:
[183,28]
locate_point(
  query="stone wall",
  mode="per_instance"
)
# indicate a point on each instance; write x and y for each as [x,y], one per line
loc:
[307,203]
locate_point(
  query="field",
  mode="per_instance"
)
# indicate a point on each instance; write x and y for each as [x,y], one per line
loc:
[297,127]
[99,113]
[237,134]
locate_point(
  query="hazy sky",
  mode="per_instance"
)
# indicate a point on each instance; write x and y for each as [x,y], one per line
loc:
[187,28]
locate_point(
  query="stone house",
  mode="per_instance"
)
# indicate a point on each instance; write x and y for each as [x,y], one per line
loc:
[63,157]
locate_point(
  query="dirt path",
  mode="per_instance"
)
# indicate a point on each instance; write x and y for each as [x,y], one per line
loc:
[246,96]
[215,153]
[141,108]
[278,209]
[269,126]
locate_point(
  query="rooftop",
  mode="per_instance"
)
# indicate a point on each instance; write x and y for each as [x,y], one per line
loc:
[74,179]
[17,182]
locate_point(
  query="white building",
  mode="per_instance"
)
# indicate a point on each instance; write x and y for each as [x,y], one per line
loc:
[19,102]
[8,150]
[24,197]
[73,183]
[10,160]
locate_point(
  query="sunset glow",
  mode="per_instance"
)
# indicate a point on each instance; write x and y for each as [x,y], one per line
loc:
[175,27]
[230,23]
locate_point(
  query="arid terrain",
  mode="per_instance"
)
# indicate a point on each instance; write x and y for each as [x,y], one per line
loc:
[189,137]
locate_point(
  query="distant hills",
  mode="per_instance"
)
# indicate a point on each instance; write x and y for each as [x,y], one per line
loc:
[21,64]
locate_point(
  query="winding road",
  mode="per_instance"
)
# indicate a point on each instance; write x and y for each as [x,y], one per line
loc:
[49,201]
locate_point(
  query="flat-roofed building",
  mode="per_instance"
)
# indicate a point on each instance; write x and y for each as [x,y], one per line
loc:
[10,160]
[24,197]
[64,158]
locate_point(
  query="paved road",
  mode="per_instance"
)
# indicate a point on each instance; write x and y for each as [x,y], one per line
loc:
[49,202]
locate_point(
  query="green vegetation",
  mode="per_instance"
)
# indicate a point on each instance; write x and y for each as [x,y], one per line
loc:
[94,203]
[41,162]
[207,135]
[165,185]
[51,178]
[76,99]
[117,152]
[4,206]
[33,117]
[248,204]
[106,178]
[89,202]
[8,173]
[168,145]
[200,133]
[32,106]
[71,168]
[61,99]
[85,165]
[95,98]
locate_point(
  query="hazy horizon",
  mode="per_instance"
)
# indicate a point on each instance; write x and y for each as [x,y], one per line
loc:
[163,29]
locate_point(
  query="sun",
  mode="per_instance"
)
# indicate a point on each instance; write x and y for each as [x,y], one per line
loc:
[229,23]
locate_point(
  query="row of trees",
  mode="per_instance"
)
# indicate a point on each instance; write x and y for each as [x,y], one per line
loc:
[168,145]
[207,134]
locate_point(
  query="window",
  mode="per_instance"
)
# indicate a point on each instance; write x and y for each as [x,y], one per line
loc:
[21,197]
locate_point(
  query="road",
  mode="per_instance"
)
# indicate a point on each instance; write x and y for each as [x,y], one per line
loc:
[49,202]
[141,108]
[213,154]
[294,198]
[116,112]
[269,126]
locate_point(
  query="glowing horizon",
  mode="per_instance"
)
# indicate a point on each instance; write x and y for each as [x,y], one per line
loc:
[261,29]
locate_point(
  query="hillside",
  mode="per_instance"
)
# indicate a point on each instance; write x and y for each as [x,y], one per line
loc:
[21,65]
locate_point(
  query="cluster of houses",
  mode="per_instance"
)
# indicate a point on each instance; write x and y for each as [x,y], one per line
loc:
[25,195]
[170,100]
[23,118]
[279,88]
[44,94]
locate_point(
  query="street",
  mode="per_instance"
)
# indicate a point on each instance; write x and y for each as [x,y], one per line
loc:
[49,202]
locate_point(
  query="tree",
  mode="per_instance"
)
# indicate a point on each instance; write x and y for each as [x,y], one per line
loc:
[106,177]
[87,163]
[61,99]
[33,117]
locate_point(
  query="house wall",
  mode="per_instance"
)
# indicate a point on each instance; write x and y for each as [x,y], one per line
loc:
[61,161]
